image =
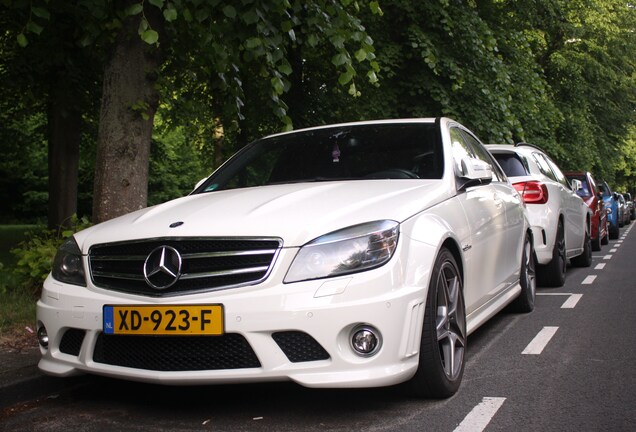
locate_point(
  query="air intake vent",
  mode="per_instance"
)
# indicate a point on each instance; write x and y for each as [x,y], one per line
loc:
[72,341]
[176,353]
[300,347]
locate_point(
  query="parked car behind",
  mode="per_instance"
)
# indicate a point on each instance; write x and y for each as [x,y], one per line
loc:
[611,205]
[351,255]
[623,211]
[630,205]
[560,219]
[591,195]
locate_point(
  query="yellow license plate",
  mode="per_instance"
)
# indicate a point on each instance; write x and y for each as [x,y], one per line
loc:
[164,320]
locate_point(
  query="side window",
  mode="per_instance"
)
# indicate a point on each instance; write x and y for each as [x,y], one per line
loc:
[559,175]
[544,166]
[460,150]
[483,154]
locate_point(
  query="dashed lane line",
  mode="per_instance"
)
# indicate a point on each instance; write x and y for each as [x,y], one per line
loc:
[600,266]
[480,416]
[588,280]
[540,341]
[569,303]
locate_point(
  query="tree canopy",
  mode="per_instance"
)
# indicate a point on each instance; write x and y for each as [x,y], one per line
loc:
[135,100]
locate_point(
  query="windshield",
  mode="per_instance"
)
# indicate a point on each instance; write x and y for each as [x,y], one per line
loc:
[350,152]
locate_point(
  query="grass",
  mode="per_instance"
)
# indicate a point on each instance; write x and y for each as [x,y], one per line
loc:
[17,307]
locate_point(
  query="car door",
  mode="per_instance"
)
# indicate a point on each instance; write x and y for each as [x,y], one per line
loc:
[487,267]
[575,211]
[514,224]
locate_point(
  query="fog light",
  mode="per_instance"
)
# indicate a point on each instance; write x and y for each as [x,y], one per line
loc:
[365,340]
[43,337]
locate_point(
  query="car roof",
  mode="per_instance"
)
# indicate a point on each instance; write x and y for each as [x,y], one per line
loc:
[423,120]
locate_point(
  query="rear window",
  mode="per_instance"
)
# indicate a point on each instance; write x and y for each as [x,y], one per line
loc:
[511,164]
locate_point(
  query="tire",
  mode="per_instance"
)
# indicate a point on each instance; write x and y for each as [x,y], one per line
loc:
[614,232]
[527,279]
[443,344]
[596,243]
[605,240]
[585,259]
[553,273]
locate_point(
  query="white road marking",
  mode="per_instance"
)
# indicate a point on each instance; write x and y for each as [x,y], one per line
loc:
[607,257]
[540,341]
[553,294]
[480,416]
[571,302]
[588,280]
[600,266]
[613,250]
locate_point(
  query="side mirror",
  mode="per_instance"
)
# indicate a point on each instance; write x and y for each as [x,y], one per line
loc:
[576,184]
[199,183]
[474,172]
[615,196]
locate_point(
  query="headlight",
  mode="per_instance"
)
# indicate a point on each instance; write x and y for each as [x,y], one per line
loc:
[349,250]
[67,265]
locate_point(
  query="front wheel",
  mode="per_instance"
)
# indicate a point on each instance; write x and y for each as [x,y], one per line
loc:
[596,243]
[443,343]
[614,232]
[585,259]
[553,273]
[527,279]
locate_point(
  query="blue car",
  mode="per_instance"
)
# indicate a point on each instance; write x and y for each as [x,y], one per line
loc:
[611,204]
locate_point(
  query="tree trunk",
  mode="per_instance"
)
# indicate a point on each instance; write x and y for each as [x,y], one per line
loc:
[129,102]
[64,121]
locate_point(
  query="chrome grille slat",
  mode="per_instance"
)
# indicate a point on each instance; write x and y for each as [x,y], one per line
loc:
[223,273]
[227,254]
[208,264]
[120,258]
[118,275]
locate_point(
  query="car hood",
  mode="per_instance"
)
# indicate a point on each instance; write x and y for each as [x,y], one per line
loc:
[297,213]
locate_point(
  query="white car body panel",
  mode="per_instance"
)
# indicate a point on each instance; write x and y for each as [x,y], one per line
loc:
[485,225]
[563,202]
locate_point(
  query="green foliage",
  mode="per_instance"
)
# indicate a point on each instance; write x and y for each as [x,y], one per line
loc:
[34,256]
[557,73]
[17,309]
[23,166]
[175,165]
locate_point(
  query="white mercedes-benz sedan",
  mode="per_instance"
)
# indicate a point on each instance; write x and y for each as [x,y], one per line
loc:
[350,255]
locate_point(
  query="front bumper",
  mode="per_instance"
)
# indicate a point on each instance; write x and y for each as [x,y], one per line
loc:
[328,310]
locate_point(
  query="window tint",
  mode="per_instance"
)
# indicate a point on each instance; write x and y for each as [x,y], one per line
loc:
[512,164]
[544,167]
[461,149]
[558,173]
[354,152]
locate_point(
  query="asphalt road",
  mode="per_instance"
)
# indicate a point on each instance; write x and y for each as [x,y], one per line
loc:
[568,366]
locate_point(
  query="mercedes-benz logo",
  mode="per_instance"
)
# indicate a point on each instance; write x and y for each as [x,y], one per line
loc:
[162,267]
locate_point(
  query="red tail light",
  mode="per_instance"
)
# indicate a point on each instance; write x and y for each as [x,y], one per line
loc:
[532,192]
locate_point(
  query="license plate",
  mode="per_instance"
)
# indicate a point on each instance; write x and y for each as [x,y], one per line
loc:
[181,320]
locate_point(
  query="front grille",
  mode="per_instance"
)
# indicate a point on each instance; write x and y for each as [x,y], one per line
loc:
[176,353]
[72,341]
[300,347]
[207,264]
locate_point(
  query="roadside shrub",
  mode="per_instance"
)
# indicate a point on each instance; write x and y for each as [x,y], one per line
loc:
[35,255]
[3,281]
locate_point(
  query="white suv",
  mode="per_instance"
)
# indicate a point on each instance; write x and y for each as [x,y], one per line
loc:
[560,219]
